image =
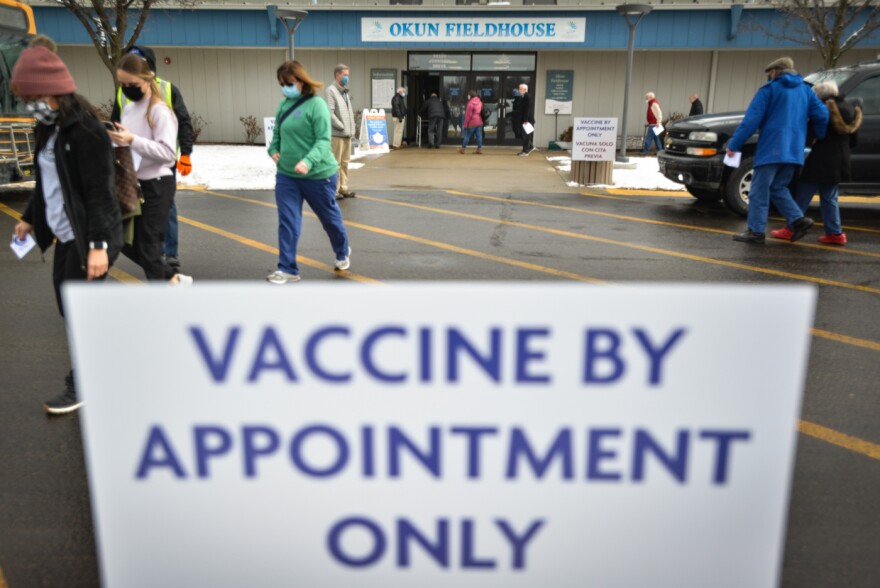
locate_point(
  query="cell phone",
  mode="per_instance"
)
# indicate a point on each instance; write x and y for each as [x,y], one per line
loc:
[110,126]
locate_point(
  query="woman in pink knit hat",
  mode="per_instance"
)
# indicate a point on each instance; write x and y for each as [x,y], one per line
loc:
[74,204]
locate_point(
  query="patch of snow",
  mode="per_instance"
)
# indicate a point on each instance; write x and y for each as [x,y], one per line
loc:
[235,167]
[644,175]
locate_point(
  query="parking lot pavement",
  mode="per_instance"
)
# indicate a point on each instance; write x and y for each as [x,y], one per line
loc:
[417,223]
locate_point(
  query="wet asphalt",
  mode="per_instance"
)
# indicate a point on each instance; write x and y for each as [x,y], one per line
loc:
[406,230]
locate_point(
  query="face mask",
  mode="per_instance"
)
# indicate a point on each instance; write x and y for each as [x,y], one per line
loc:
[290,91]
[344,80]
[42,112]
[133,93]
[769,79]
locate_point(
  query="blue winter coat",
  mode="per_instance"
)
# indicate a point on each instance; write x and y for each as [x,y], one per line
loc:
[781,109]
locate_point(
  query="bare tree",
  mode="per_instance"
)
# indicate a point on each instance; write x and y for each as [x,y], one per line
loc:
[107,24]
[833,27]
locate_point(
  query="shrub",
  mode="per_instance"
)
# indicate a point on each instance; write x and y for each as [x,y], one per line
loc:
[198,125]
[105,109]
[252,129]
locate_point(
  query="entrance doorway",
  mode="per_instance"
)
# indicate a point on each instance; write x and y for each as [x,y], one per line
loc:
[473,72]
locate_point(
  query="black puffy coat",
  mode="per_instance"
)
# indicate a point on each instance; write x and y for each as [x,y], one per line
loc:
[84,158]
[433,108]
[398,106]
[526,111]
[829,159]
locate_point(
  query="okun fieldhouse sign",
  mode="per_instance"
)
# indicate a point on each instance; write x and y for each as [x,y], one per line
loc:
[473,30]
[509,435]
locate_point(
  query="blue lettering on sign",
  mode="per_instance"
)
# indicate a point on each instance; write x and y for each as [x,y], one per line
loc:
[437,547]
[569,448]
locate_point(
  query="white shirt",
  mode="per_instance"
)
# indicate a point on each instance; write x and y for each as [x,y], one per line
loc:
[56,215]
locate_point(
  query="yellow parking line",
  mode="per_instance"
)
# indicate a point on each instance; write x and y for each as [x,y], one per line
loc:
[865,343]
[649,221]
[854,444]
[661,193]
[274,250]
[437,244]
[846,339]
[646,248]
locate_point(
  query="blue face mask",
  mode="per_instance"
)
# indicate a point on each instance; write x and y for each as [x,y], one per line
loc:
[344,80]
[290,91]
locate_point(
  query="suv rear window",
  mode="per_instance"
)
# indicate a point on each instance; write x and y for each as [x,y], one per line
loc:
[869,92]
[838,76]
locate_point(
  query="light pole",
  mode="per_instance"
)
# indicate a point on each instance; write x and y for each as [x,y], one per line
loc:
[633,14]
[291,19]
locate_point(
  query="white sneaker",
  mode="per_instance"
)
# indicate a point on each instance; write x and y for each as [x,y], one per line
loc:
[344,264]
[183,280]
[280,277]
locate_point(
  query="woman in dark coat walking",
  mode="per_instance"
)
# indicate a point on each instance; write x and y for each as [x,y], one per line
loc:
[828,164]
[74,204]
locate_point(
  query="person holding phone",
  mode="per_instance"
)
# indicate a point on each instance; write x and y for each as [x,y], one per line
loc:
[149,127]
[74,203]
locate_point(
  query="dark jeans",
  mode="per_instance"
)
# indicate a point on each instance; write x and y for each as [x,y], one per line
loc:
[67,265]
[435,131]
[149,229]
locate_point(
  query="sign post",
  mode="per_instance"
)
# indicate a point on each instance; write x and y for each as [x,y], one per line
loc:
[593,143]
[507,438]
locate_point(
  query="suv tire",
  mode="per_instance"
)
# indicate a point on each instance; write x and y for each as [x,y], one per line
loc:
[705,194]
[738,186]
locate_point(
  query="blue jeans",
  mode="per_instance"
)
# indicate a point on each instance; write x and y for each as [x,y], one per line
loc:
[321,196]
[171,243]
[827,203]
[651,137]
[469,132]
[770,182]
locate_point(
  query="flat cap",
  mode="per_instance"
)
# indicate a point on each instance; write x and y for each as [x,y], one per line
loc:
[781,63]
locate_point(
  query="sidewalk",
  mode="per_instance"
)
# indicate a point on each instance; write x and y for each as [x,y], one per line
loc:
[498,169]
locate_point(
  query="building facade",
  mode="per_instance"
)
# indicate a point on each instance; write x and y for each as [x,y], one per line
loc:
[573,57]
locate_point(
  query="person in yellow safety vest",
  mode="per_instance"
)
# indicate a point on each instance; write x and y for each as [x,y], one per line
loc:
[172,96]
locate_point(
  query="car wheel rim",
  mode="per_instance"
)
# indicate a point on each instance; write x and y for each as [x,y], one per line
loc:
[745,186]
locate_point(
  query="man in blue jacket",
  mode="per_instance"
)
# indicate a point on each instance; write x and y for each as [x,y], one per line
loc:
[781,109]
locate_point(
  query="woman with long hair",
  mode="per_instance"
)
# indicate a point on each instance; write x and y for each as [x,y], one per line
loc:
[307,170]
[74,203]
[149,126]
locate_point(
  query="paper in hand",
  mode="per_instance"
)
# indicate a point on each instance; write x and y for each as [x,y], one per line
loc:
[528,129]
[658,129]
[21,248]
[733,160]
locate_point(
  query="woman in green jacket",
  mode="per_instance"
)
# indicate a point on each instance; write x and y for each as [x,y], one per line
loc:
[307,170]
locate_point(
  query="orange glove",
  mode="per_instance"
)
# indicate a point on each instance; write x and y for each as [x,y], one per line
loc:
[184,165]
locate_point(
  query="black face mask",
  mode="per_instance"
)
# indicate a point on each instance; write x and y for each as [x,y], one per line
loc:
[133,93]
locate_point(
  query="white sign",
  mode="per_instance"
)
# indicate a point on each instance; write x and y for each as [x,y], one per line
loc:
[268,128]
[594,139]
[508,435]
[374,131]
[473,30]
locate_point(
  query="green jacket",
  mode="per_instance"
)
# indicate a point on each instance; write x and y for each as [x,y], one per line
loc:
[304,136]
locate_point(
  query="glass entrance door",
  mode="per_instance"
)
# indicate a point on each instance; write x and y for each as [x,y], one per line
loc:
[488,88]
[508,134]
[454,90]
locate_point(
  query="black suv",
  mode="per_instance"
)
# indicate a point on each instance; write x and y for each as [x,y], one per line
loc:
[695,147]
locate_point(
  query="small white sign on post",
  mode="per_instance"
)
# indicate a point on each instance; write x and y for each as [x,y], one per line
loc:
[510,435]
[594,139]
[268,128]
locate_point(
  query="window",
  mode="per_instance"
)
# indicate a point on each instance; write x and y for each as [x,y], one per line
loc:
[869,93]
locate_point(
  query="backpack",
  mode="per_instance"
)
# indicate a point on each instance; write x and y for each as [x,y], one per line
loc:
[485,113]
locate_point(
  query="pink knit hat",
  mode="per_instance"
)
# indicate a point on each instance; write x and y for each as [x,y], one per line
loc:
[39,72]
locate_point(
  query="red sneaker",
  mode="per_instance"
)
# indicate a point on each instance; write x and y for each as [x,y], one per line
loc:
[784,233]
[833,239]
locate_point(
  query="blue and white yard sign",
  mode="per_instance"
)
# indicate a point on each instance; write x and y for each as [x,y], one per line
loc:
[476,435]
